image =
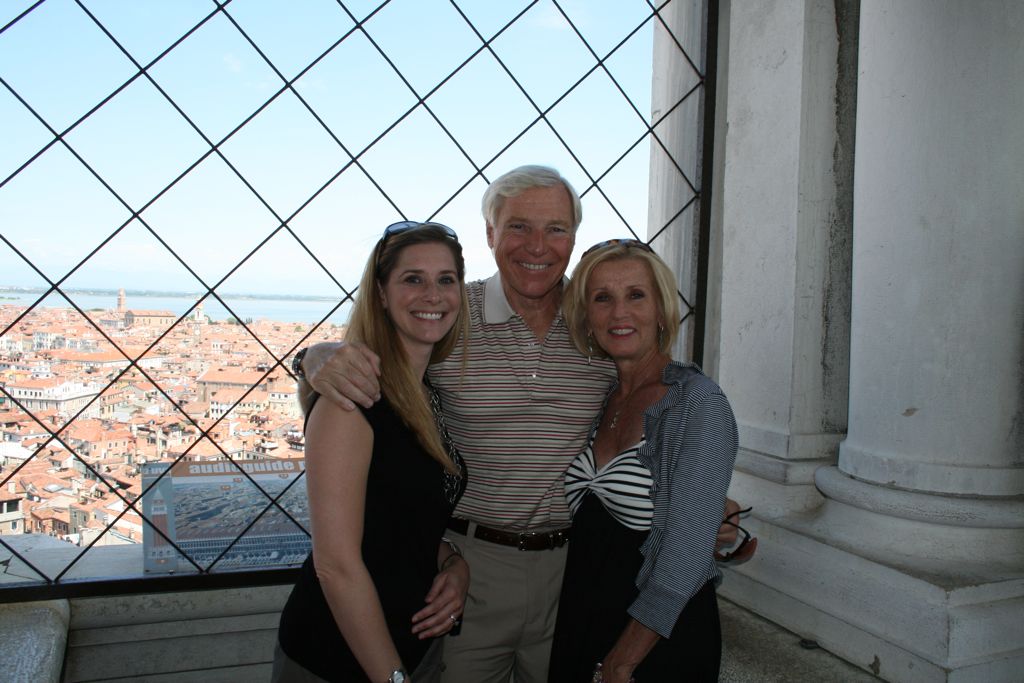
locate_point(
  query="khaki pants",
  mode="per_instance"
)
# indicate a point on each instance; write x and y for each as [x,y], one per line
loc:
[510,614]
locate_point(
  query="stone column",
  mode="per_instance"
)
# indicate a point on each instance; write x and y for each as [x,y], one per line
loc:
[677,101]
[938,301]
[907,556]
[782,348]
[936,430]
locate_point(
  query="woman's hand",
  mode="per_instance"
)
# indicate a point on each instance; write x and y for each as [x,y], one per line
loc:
[445,601]
[727,532]
[610,672]
[635,642]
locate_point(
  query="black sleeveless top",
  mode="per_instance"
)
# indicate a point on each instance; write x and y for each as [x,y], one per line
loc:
[409,497]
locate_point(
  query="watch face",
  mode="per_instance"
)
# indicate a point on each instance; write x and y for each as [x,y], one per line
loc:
[297,363]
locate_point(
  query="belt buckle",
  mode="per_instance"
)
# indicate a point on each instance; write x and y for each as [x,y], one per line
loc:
[552,539]
[522,540]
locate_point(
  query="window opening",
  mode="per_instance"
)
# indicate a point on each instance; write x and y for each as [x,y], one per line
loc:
[232,162]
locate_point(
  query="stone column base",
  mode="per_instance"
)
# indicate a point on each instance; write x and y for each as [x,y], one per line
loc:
[878,591]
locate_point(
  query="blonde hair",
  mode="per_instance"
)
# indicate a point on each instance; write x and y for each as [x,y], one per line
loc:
[371,325]
[574,302]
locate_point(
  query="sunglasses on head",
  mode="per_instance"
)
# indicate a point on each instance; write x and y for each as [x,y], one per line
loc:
[621,242]
[405,226]
[745,550]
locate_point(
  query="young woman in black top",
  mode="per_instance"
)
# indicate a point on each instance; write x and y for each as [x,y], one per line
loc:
[381,584]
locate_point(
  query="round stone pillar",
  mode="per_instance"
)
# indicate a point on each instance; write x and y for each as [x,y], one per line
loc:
[938,270]
[929,486]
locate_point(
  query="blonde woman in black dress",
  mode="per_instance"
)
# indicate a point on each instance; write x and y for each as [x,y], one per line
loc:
[638,600]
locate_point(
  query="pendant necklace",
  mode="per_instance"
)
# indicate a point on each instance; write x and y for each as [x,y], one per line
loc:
[615,416]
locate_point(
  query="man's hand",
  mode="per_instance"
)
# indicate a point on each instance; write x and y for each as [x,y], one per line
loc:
[727,533]
[344,373]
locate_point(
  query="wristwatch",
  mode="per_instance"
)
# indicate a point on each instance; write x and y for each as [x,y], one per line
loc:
[397,676]
[454,548]
[297,364]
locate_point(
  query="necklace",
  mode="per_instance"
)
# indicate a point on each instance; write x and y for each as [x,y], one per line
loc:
[625,401]
[615,416]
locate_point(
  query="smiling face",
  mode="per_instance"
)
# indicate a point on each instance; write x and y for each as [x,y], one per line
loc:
[532,239]
[622,309]
[422,296]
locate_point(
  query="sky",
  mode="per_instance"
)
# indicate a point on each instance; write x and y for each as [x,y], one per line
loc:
[55,212]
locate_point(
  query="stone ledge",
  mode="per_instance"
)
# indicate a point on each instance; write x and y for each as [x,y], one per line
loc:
[212,635]
[33,637]
[180,642]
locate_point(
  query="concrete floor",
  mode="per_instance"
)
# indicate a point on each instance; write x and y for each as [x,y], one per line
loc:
[754,650]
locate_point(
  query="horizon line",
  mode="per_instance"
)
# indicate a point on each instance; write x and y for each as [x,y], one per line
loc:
[172,294]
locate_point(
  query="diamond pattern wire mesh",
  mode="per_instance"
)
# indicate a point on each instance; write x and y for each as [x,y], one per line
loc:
[144,151]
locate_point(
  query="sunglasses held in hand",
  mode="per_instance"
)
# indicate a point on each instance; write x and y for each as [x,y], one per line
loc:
[746,548]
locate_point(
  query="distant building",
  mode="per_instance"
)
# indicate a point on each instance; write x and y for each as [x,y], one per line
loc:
[12,519]
[141,318]
[199,315]
[218,378]
[62,396]
[47,338]
[236,398]
[284,399]
[52,518]
[15,343]
[96,362]
[12,454]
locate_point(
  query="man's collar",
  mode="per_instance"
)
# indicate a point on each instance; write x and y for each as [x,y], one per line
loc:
[496,306]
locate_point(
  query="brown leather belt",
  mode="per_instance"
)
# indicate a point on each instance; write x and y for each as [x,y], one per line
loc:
[526,540]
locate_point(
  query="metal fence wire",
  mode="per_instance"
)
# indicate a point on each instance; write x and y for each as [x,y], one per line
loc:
[58,113]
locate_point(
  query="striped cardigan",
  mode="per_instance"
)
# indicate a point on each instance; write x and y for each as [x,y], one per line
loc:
[690,449]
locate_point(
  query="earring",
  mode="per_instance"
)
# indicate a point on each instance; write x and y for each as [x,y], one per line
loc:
[661,334]
[590,345]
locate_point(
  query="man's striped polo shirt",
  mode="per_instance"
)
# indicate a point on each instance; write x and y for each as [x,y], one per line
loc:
[519,414]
